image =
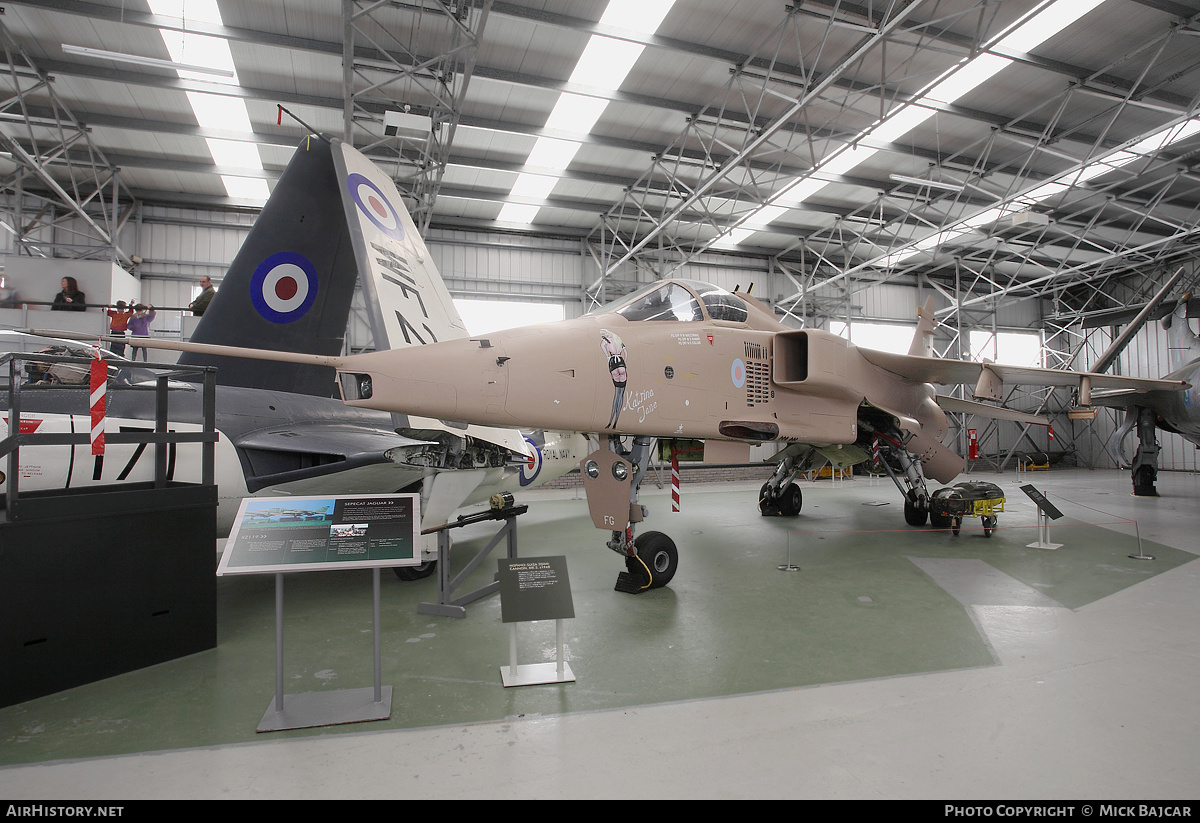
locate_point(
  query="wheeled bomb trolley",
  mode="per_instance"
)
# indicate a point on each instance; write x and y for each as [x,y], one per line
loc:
[948,506]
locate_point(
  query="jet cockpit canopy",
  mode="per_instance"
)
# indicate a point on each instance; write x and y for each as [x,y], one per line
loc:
[682,301]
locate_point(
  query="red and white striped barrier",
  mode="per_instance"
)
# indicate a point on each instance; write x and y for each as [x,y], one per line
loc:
[99,384]
[674,481]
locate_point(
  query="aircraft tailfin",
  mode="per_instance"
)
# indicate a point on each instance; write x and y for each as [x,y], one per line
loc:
[291,284]
[1182,344]
[922,342]
[407,301]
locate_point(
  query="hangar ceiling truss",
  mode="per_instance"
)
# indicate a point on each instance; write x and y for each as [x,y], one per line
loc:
[56,163]
[383,70]
[1076,174]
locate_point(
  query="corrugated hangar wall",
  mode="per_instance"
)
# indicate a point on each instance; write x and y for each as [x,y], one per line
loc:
[179,246]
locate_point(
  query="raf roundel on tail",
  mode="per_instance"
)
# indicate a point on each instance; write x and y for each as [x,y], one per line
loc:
[375,205]
[284,287]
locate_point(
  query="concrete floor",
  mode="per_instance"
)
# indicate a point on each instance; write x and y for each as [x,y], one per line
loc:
[897,663]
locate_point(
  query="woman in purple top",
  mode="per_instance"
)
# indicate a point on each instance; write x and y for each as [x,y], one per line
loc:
[139,326]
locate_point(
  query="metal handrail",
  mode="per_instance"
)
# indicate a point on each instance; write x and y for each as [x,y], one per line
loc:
[160,438]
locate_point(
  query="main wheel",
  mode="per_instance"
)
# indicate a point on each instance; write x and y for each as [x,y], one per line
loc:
[915,515]
[765,508]
[1143,482]
[939,521]
[658,553]
[989,526]
[792,500]
[410,573]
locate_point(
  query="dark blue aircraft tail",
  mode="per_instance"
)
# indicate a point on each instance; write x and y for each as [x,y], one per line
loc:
[290,286]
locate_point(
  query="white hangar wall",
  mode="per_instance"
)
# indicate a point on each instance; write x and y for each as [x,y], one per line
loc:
[178,246]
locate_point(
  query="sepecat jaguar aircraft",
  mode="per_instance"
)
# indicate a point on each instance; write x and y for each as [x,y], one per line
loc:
[678,359]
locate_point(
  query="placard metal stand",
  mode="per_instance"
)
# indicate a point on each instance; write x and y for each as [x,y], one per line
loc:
[309,709]
[535,588]
[274,535]
[532,674]
[1046,512]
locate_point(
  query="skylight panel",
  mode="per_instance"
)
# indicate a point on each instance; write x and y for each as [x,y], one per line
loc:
[517,213]
[196,11]
[234,153]
[847,160]
[958,82]
[896,125]
[218,111]
[643,16]
[1166,137]
[200,50]
[213,111]
[552,153]
[606,62]
[975,73]
[534,186]
[1047,23]
[246,188]
[574,112]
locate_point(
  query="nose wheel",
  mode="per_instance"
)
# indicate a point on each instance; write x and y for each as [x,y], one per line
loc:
[652,567]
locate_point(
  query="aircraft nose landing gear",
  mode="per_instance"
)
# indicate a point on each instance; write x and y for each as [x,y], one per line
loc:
[611,482]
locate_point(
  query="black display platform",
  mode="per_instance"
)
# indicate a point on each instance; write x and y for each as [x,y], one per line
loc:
[102,581]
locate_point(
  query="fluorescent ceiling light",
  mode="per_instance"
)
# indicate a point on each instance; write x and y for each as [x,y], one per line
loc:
[136,59]
[920,181]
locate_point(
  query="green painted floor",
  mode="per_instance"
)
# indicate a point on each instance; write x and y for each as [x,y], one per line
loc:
[873,598]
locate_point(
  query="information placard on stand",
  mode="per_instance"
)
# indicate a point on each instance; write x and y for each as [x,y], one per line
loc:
[1047,511]
[274,535]
[535,588]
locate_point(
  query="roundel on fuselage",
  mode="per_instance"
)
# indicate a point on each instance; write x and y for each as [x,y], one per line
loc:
[737,372]
[532,466]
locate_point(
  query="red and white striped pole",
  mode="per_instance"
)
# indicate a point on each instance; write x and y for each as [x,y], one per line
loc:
[99,384]
[674,480]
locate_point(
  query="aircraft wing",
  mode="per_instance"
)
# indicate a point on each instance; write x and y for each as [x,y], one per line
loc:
[310,450]
[953,372]
[956,404]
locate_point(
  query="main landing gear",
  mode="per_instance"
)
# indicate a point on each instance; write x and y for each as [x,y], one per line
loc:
[611,478]
[1143,470]
[1145,464]
[780,496]
[905,471]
